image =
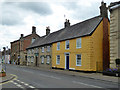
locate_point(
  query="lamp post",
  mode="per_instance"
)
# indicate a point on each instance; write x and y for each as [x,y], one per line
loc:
[4,48]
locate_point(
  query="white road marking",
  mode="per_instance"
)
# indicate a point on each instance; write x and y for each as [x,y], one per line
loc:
[21,82]
[15,83]
[31,87]
[17,80]
[86,84]
[18,85]
[50,76]
[26,84]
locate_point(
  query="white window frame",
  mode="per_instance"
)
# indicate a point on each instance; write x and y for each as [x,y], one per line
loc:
[42,61]
[78,41]
[48,59]
[33,39]
[58,60]
[28,59]
[32,51]
[67,42]
[37,50]
[29,51]
[77,60]
[48,48]
[58,45]
[32,59]
[42,49]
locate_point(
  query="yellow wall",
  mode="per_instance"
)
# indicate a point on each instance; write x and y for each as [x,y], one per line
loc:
[91,51]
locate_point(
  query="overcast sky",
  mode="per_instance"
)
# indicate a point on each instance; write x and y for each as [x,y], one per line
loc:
[18,16]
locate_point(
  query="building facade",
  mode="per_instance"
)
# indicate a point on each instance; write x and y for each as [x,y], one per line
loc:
[39,53]
[114,9]
[5,55]
[18,47]
[83,46]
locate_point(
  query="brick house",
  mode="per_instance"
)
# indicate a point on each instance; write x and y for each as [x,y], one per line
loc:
[18,47]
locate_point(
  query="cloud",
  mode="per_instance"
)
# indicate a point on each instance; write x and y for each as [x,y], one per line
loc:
[82,10]
[14,13]
[10,14]
[41,8]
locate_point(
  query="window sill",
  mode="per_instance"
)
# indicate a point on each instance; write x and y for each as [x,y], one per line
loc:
[78,47]
[47,63]
[78,65]
[66,49]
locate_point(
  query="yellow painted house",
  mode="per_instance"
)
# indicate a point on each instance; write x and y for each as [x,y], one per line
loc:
[84,52]
[83,46]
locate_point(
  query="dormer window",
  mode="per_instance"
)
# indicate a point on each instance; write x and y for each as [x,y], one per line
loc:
[33,39]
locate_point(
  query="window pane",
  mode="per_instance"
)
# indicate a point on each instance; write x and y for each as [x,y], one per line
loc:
[67,44]
[42,60]
[78,59]
[58,46]
[48,59]
[42,49]
[58,59]
[48,48]
[78,43]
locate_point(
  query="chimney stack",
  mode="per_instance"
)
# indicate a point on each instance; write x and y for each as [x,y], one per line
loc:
[47,30]
[103,10]
[67,23]
[22,35]
[33,30]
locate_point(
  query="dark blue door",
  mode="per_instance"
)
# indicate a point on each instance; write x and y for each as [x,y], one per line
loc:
[67,61]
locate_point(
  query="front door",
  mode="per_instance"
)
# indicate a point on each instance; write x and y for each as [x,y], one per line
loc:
[67,61]
[36,60]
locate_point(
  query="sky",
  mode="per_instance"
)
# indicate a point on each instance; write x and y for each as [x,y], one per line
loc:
[18,16]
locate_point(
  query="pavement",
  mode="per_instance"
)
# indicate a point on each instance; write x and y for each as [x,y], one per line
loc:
[8,77]
[97,76]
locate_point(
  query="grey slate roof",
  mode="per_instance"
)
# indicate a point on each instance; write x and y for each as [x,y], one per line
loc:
[81,29]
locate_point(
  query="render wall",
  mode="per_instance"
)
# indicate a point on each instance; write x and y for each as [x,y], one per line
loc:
[114,34]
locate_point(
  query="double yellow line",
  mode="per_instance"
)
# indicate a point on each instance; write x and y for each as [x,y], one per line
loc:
[15,77]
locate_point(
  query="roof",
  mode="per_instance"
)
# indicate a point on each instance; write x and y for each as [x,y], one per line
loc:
[114,5]
[81,29]
[24,37]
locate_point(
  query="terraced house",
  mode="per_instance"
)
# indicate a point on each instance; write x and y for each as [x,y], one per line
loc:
[39,52]
[83,46]
[18,47]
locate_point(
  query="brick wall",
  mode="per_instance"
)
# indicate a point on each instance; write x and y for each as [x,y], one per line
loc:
[106,56]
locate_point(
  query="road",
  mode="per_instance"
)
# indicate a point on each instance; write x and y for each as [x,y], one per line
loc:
[33,78]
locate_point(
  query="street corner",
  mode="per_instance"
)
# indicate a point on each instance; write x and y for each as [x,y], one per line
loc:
[8,78]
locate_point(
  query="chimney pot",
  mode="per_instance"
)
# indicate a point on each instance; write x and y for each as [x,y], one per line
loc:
[103,10]
[67,23]
[47,30]
[22,35]
[33,29]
